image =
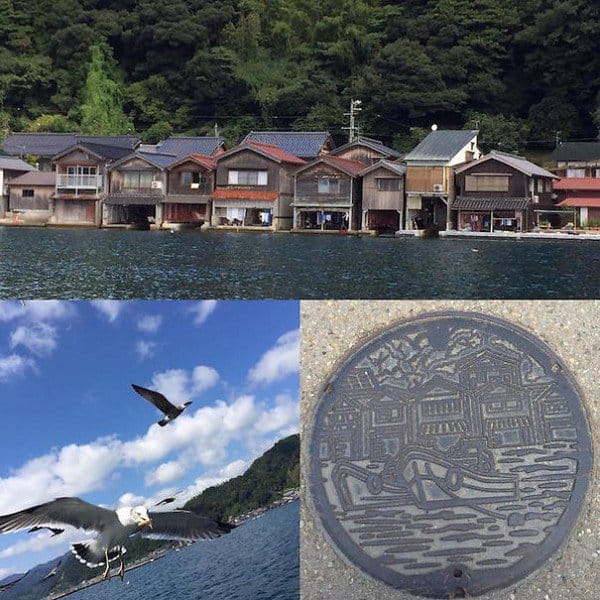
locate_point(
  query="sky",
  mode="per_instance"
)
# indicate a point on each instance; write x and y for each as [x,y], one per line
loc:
[71,425]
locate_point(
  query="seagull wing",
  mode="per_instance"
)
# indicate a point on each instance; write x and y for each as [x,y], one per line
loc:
[62,511]
[155,398]
[183,525]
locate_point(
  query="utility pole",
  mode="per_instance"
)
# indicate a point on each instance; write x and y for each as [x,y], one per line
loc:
[353,130]
[557,139]
[216,130]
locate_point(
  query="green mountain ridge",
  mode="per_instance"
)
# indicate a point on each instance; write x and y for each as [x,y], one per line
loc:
[522,70]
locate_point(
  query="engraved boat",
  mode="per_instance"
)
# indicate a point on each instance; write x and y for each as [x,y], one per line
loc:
[439,483]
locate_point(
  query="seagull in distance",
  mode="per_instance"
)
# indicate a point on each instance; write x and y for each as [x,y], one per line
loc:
[113,527]
[169,410]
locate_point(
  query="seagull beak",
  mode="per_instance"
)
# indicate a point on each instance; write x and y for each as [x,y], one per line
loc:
[145,522]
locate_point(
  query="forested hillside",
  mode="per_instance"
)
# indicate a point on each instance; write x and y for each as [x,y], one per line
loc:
[520,69]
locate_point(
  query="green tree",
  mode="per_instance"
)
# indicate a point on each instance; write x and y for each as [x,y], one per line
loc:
[102,108]
[498,132]
[55,123]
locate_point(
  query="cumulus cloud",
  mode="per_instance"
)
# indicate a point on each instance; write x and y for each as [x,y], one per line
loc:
[36,310]
[130,499]
[279,361]
[39,338]
[203,378]
[109,309]
[166,473]
[180,385]
[149,323]
[202,310]
[145,349]
[14,365]
[41,541]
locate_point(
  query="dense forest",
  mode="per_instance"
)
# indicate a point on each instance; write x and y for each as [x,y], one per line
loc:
[520,70]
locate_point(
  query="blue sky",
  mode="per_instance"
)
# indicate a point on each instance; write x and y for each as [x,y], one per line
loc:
[73,426]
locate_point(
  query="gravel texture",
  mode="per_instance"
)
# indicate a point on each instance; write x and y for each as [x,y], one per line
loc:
[331,330]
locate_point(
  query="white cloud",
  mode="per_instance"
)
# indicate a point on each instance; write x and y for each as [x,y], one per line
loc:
[36,310]
[202,310]
[14,365]
[166,473]
[110,309]
[149,323]
[41,541]
[279,361]
[39,338]
[130,499]
[285,415]
[203,378]
[145,349]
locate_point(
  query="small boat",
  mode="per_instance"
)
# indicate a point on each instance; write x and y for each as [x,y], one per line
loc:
[438,483]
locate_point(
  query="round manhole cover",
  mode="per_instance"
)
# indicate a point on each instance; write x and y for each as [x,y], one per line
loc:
[450,455]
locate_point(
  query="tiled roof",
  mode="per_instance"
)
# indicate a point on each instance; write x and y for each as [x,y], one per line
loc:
[277,153]
[577,183]
[108,153]
[581,202]
[243,194]
[488,203]
[517,162]
[182,146]
[206,161]
[576,151]
[350,167]
[11,163]
[442,145]
[50,144]
[375,145]
[305,144]
[35,178]
[161,161]
[393,167]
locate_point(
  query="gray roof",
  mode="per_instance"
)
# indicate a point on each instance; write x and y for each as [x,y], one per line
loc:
[512,160]
[488,203]
[50,144]
[35,178]
[396,168]
[304,144]
[11,163]
[442,145]
[160,160]
[182,146]
[108,153]
[576,151]
[376,145]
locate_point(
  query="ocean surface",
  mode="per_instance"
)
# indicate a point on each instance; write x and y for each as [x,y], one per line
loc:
[257,561]
[69,263]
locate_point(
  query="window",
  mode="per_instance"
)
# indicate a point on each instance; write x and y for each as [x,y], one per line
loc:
[389,184]
[79,170]
[486,183]
[575,172]
[246,177]
[27,193]
[548,185]
[137,180]
[186,177]
[329,185]
[597,173]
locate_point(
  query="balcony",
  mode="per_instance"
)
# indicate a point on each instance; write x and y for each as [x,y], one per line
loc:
[89,185]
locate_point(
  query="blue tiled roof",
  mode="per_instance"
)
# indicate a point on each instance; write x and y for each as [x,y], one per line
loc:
[50,144]
[305,144]
[442,145]
[182,146]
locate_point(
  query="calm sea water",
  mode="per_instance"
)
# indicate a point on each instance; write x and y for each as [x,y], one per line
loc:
[258,561]
[60,263]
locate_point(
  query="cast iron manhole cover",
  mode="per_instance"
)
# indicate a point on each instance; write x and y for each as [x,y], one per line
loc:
[450,455]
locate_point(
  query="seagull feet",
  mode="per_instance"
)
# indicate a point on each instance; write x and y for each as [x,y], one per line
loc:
[121,571]
[106,574]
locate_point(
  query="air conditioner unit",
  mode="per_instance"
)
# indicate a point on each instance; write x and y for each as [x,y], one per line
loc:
[536,198]
[156,185]
[438,187]
[194,186]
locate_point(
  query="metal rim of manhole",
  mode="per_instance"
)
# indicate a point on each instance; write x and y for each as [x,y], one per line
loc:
[449,455]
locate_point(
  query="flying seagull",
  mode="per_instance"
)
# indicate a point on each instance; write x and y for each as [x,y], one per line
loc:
[170,410]
[53,572]
[55,530]
[114,527]
[169,499]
